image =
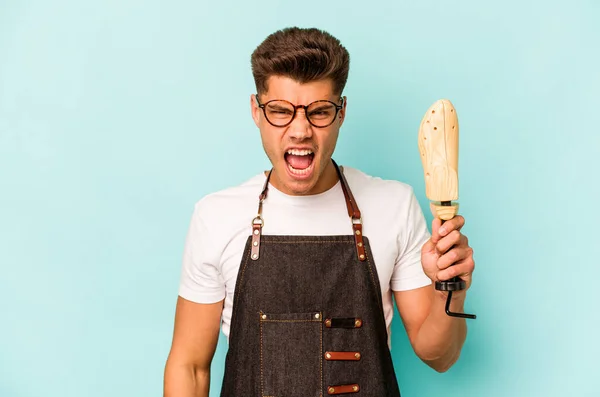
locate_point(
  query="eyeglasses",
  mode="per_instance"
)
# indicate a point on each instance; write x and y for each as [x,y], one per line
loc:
[281,113]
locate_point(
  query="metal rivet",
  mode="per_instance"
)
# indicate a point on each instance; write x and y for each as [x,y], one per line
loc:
[358,323]
[331,390]
[358,232]
[354,388]
[362,256]
[254,256]
[328,355]
[360,244]
[256,232]
[357,355]
[255,243]
[264,316]
[317,315]
[328,323]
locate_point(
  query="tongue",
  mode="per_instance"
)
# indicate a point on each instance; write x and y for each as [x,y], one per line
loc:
[299,162]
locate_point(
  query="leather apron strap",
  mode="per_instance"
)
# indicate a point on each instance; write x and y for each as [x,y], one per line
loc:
[351,205]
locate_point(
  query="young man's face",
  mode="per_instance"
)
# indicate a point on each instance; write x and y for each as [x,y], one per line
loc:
[300,152]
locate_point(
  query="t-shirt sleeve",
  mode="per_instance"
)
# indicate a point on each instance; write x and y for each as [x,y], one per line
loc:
[201,279]
[408,272]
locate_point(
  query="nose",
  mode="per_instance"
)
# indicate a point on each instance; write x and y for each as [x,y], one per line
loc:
[300,128]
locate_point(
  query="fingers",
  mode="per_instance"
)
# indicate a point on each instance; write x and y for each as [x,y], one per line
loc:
[428,247]
[435,227]
[455,223]
[455,255]
[455,238]
[456,258]
[461,269]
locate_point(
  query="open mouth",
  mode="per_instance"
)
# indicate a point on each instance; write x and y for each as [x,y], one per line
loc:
[299,162]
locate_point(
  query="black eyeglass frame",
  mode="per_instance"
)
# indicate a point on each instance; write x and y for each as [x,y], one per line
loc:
[296,107]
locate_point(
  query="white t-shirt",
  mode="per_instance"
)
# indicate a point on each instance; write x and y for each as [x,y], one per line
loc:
[221,223]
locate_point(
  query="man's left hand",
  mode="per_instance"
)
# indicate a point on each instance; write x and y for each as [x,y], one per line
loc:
[447,253]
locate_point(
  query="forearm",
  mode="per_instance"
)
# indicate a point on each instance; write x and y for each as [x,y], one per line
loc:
[441,337]
[183,380]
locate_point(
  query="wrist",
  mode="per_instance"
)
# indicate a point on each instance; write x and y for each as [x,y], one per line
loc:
[457,296]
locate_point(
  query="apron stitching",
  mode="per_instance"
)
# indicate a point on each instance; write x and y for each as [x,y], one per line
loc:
[262,386]
[237,292]
[290,321]
[307,241]
[321,360]
[261,321]
[375,285]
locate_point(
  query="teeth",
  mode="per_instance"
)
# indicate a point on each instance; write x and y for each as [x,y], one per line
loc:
[297,152]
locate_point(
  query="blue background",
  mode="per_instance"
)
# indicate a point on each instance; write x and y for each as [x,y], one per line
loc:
[117,116]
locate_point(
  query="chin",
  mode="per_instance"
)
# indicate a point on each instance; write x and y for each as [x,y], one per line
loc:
[295,187]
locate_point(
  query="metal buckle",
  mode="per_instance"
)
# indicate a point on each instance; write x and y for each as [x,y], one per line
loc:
[258,220]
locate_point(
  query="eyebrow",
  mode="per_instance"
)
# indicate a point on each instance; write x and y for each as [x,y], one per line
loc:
[323,106]
[275,106]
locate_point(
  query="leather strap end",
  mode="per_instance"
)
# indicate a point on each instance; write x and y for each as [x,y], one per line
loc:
[255,250]
[342,356]
[346,322]
[358,240]
[343,389]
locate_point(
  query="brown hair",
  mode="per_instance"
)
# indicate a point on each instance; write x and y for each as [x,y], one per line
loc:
[303,55]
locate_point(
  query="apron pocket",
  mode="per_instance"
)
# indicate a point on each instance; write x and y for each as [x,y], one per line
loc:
[291,354]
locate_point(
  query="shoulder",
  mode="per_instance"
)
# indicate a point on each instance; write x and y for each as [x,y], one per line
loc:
[227,204]
[388,203]
[375,189]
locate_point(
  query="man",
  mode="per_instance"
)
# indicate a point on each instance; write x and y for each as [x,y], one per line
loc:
[304,289]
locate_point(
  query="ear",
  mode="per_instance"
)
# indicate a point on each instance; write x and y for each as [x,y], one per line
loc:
[255,110]
[342,113]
